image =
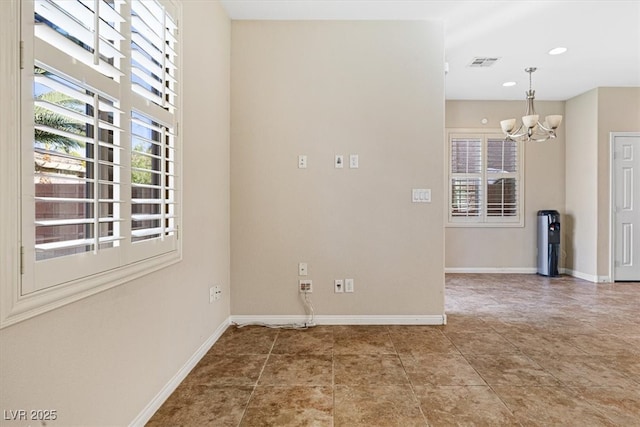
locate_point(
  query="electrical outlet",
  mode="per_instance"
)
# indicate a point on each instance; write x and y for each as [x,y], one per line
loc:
[354,161]
[305,286]
[302,269]
[302,161]
[338,286]
[348,285]
[214,293]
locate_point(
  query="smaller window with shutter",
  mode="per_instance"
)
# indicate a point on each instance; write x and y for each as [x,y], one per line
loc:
[484,180]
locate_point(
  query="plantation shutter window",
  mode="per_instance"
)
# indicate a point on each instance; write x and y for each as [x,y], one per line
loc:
[485,181]
[152,180]
[466,177]
[100,144]
[77,168]
[502,178]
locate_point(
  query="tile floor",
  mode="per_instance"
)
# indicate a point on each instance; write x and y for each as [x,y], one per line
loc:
[517,350]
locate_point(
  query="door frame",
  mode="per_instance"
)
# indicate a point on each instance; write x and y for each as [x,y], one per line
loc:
[612,201]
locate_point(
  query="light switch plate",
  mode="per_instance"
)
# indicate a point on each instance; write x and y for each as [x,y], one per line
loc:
[421,195]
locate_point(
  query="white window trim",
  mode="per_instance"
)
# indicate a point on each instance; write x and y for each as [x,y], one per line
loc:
[15,307]
[493,223]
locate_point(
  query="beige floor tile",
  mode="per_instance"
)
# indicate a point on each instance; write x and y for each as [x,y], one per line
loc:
[369,369]
[197,405]
[421,343]
[245,340]
[542,344]
[317,340]
[298,369]
[481,343]
[463,406]
[362,340]
[627,365]
[601,344]
[621,405]
[511,369]
[289,406]
[376,405]
[587,371]
[465,323]
[227,370]
[440,369]
[550,406]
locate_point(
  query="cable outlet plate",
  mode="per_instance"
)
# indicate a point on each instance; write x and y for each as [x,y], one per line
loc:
[302,269]
[305,286]
[338,286]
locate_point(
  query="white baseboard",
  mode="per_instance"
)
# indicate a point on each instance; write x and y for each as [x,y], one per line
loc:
[528,270]
[401,319]
[492,270]
[588,277]
[151,408]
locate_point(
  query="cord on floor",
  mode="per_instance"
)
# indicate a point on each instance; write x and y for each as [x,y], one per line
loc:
[304,325]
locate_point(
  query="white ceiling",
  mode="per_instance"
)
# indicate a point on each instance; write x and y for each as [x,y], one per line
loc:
[602,37]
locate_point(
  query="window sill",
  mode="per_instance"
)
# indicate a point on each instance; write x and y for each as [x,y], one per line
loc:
[484,224]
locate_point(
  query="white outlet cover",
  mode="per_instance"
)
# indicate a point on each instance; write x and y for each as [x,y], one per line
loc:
[302,161]
[339,161]
[421,195]
[302,269]
[348,285]
[338,286]
[354,161]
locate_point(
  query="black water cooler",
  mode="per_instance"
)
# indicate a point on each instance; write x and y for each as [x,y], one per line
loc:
[548,242]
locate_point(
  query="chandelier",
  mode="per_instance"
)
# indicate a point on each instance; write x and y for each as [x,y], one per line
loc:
[531,129]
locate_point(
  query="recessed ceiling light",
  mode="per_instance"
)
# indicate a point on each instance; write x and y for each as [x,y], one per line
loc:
[508,84]
[557,50]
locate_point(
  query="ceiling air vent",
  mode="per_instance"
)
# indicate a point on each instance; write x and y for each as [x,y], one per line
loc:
[478,62]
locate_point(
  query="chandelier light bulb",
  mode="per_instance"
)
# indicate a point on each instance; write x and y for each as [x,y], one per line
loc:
[553,121]
[530,121]
[508,125]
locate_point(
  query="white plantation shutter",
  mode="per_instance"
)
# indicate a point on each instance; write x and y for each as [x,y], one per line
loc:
[465,167]
[153,179]
[87,31]
[153,54]
[154,77]
[502,179]
[100,160]
[77,169]
[484,180]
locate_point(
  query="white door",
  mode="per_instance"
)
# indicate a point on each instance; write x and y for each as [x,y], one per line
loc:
[626,206]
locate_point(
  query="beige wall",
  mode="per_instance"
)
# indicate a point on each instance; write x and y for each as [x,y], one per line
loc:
[375,89]
[101,360]
[581,183]
[509,248]
[618,111]
[591,117]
